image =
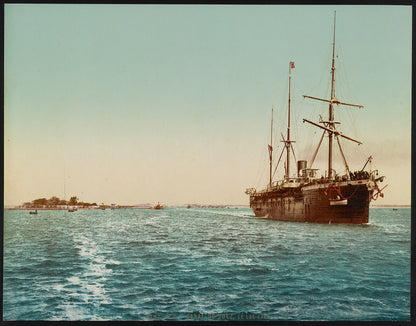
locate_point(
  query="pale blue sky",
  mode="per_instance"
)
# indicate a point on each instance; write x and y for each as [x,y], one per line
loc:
[171,103]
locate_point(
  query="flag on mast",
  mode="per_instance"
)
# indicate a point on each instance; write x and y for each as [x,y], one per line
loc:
[292,64]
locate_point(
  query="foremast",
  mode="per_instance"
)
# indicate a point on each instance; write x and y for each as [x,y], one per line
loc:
[288,142]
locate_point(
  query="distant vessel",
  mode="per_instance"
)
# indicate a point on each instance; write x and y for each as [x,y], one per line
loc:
[72,210]
[158,206]
[333,198]
[33,212]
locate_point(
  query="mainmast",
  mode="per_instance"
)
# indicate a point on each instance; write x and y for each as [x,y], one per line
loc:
[331,108]
[329,126]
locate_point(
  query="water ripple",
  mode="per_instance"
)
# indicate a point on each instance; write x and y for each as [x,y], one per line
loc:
[179,263]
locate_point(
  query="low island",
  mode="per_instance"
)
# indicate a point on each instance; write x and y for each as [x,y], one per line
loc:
[55,203]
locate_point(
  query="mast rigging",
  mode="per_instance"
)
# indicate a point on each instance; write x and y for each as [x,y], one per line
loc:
[329,126]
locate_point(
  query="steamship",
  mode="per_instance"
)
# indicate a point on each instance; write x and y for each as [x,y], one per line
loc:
[331,198]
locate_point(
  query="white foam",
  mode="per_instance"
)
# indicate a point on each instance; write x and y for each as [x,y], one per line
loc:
[58,287]
[74,280]
[97,270]
[87,252]
[92,279]
[246,261]
[96,290]
[75,312]
[232,212]
[98,259]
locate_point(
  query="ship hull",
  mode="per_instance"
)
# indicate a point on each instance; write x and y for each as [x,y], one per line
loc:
[342,202]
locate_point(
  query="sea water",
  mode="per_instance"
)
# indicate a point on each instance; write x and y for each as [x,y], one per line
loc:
[203,264]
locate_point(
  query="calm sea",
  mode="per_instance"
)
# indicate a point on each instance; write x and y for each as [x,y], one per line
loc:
[203,264]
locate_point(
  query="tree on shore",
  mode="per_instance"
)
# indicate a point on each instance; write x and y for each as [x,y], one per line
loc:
[40,201]
[55,201]
[73,200]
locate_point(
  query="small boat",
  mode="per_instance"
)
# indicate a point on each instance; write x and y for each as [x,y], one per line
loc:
[395,209]
[33,212]
[158,206]
[72,210]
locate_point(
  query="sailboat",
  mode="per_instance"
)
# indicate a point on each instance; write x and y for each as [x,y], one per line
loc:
[333,198]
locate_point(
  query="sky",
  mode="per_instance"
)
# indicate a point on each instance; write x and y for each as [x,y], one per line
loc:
[132,104]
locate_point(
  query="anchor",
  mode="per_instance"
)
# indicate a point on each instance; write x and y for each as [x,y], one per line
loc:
[379,192]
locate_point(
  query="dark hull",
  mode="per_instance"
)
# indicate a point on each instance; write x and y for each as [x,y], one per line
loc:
[342,202]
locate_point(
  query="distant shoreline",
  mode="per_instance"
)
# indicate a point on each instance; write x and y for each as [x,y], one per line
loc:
[119,207]
[390,206]
[64,209]
[149,207]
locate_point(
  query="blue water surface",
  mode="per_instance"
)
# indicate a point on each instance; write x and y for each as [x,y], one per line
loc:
[203,264]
